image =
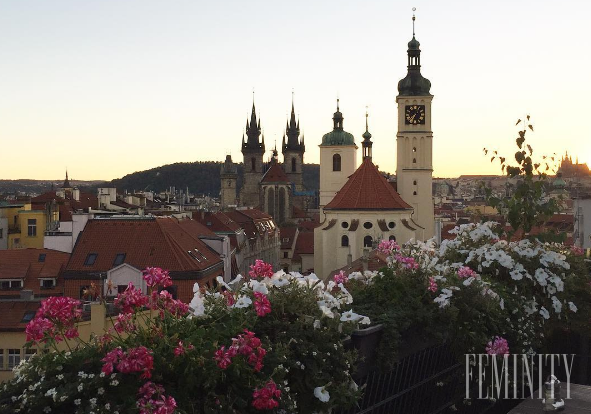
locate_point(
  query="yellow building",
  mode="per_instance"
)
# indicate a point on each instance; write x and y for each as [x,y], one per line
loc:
[22,227]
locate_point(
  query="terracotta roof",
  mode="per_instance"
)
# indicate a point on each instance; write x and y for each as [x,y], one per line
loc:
[160,242]
[308,225]
[31,265]
[304,245]
[289,234]
[367,189]
[375,262]
[299,213]
[275,174]
[195,228]
[85,201]
[13,313]
[217,222]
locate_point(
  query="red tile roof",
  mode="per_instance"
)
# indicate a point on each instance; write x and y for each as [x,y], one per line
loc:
[217,222]
[196,228]
[13,312]
[25,264]
[304,245]
[160,242]
[367,189]
[288,234]
[275,174]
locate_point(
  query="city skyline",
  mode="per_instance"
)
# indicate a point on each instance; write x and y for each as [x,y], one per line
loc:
[108,89]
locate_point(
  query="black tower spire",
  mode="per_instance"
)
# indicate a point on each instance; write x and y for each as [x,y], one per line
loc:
[414,83]
[292,131]
[366,144]
[253,132]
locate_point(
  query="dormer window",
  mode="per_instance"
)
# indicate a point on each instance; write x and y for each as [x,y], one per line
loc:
[42,257]
[119,259]
[47,283]
[90,259]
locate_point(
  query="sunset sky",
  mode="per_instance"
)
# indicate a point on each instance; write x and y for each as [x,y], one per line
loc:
[106,88]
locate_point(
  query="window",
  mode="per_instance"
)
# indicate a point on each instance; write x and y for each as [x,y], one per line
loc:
[119,259]
[1,233]
[253,164]
[336,162]
[286,255]
[345,241]
[391,224]
[414,182]
[29,353]
[392,238]
[1,359]
[28,316]
[172,290]
[414,149]
[414,193]
[367,241]
[14,358]
[32,227]
[47,283]
[414,160]
[90,259]
[11,284]
[293,165]
[121,288]
[368,225]
[345,225]
[42,258]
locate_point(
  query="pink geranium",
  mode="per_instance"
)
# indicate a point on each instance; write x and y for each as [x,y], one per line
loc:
[261,304]
[466,272]
[388,246]
[181,349]
[247,345]
[138,359]
[266,397]
[432,285]
[340,277]
[131,299]
[56,319]
[260,269]
[498,346]
[153,401]
[155,276]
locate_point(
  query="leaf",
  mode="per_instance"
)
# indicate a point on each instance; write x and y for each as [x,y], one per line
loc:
[520,141]
[485,151]
[491,160]
[531,127]
[502,160]
[518,121]
[529,149]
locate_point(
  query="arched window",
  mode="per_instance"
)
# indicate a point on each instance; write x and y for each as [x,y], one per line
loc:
[414,160]
[414,182]
[253,164]
[367,241]
[414,193]
[344,241]
[293,165]
[271,202]
[414,149]
[392,238]
[336,162]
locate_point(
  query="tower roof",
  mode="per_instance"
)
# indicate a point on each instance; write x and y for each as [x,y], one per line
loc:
[253,131]
[414,84]
[338,136]
[367,189]
[66,182]
[275,174]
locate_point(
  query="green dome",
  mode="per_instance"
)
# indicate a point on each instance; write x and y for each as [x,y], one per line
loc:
[338,137]
[559,183]
[413,44]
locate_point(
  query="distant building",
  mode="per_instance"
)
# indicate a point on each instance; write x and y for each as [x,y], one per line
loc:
[568,169]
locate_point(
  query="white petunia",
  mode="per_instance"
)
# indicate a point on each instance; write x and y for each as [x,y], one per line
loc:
[317,324]
[258,287]
[326,311]
[197,304]
[321,394]
[556,304]
[572,307]
[350,316]
[544,312]
[242,302]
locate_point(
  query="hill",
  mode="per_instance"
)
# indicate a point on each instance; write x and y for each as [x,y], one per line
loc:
[199,177]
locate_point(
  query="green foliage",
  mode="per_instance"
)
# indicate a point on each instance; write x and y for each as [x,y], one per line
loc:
[529,205]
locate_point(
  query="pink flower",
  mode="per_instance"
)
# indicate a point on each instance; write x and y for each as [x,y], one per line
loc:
[388,246]
[577,251]
[138,359]
[229,298]
[124,323]
[498,346]
[465,272]
[223,358]
[264,398]
[432,285]
[153,401]
[55,320]
[341,277]
[261,304]
[131,299]
[407,262]
[37,327]
[247,345]
[155,276]
[260,269]
[181,350]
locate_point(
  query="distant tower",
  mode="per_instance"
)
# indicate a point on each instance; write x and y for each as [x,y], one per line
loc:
[414,142]
[293,151]
[338,159]
[366,144]
[276,195]
[252,151]
[228,178]
[66,185]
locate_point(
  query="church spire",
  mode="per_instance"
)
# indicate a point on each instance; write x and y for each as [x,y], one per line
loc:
[338,118]
[366,144]
[292,131]
[414,83]
[253,132]
[66,181]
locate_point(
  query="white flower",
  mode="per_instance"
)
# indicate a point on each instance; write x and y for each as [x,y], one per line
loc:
[317,324]
[197,304]
[321,394]
[60,376]
[101,391]
[77,402]
[221,281]
[279,281]
[93,402]
[350,316]
[556,304]
[107,406]
[242,302]
[47,410]
[544,312]
[196,288]
[364,321]
[80,387]
[326,311]
[114,383]
[572,307]
[259,287]
[469,281]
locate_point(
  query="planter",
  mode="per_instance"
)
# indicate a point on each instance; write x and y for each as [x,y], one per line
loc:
[366,342]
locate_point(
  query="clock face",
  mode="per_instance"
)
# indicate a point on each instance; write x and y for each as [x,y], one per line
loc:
[414,114]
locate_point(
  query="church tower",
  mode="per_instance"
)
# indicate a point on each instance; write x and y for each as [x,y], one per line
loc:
[293,151]
[252,151]
[414,142]
[228,178]
[338,159]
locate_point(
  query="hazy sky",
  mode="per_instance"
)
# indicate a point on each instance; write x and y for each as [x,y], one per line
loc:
[106,88]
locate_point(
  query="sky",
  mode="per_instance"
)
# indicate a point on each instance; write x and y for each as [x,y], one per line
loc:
[106,88]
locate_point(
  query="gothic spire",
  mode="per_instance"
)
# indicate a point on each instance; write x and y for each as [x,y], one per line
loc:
[292,130]
[253,132]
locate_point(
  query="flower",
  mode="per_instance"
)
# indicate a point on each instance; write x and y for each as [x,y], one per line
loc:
[131,299]
[432,285]
[153,401]
[572,307]
[388,246]
[465,272]
[181,350]
[350,316]
[261,304]
[155,276]
[242,302]
[321,394]
[55,320]
[340,277]
[498,346]
[260,269]
[138,359]
[264,398]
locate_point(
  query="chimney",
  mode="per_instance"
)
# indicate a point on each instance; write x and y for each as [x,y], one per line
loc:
[27,295]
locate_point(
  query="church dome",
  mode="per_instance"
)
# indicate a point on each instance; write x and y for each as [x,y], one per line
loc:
[414,84]
[413,44]
[338,137]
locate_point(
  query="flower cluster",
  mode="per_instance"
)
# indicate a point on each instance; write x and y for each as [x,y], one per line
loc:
[155,276]
[465,272]
[138,359]
[264,398]
[340,277]
[432,285]
[131,299]
[247,345]
[153,401]
[261,304]
[55,320]
[498,346]
[388,246]
[181,349]
[260,269]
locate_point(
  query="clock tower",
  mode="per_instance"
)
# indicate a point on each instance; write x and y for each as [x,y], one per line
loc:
[414,142]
